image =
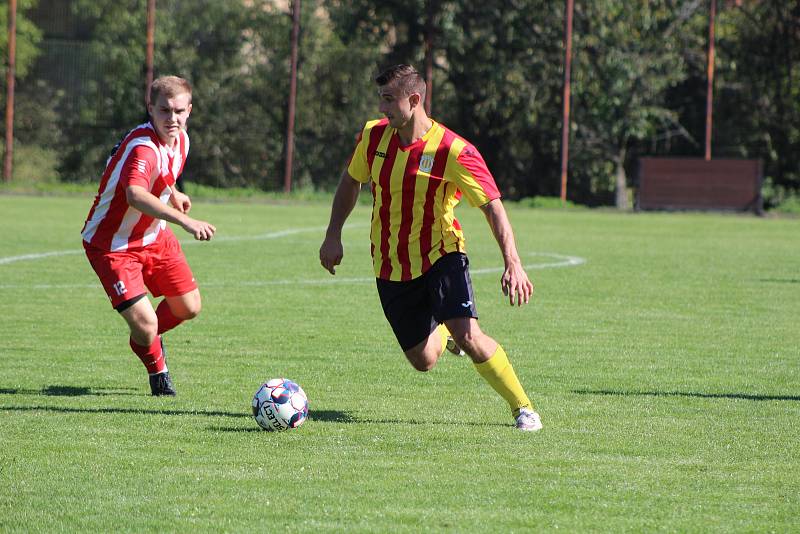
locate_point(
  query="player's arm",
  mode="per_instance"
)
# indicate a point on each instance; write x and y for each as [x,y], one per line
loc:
[515,282]
[331,252]
[139,171]
[180,201]
[143,200]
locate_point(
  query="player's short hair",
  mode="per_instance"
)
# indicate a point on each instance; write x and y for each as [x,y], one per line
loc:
[170,87]
[406,78]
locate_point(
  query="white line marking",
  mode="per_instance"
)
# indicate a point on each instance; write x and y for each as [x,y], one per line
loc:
[12,259]
[269,235]
[274,235]
[562,261]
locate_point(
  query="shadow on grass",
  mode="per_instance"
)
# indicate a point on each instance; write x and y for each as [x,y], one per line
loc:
[329,416]
[135,411]
[431,422]
[340,417]
[780,280]
[744,396]
[318,415]
[68,391]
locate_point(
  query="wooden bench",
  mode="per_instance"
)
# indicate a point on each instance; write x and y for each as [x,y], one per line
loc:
[697,184]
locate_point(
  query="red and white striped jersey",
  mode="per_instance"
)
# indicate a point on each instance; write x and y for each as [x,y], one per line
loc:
[139,159]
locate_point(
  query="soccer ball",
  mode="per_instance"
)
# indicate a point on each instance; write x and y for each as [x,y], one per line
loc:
[280,404]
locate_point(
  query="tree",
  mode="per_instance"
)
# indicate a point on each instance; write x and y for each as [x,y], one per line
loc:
[494,80]
[758,88]
[28,37]
[503,68]
[232,53]
[236,54]
[638,85]
[35,102]
[626,58]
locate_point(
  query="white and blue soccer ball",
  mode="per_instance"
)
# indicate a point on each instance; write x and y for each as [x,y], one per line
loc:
[280,404]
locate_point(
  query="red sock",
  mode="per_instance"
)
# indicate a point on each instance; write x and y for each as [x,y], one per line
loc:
[152,357]
[166,320]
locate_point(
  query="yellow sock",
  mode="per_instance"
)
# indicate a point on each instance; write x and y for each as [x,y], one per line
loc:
[498,371]
[444,333]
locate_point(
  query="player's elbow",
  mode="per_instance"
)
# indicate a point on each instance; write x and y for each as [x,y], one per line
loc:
[133,196]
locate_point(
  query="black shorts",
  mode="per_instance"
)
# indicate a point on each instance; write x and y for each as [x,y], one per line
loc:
[414,308]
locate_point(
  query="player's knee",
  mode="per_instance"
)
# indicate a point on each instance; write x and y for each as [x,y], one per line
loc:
[188,310]
[423,365]
[144,331]
[468,340]
[421,361]
[188,313]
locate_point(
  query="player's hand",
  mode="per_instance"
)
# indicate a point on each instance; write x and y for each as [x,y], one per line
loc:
[330,254]
[201,230]
[516,285]
[181,202]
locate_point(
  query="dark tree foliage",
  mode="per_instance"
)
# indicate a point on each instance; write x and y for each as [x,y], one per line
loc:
[639,77]
[758,93]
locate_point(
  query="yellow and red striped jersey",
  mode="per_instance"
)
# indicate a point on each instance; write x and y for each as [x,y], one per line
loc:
[415,189]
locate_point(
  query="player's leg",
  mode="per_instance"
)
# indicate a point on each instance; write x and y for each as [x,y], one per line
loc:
[172,311]
[405,305]
[468,335]
[143,324]
[447,341]
[121,276]
[146,344]
[424,355]
[454,304]
[167,273]
[492,363]
[141,319]
[170,275]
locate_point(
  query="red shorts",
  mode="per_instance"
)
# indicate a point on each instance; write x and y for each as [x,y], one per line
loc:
[160,267]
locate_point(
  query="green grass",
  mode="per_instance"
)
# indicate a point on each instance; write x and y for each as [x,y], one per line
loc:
[666,369]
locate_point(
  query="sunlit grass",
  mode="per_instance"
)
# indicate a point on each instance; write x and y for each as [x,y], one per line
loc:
[665,367]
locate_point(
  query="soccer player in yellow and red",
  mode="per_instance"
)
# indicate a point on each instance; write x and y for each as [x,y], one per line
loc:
[419,170]
[126,237]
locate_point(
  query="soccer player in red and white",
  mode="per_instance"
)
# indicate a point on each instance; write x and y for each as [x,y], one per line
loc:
[419,170]
[126,236]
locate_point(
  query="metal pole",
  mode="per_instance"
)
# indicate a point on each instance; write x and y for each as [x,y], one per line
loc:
[287,178]
[710,88]
[8,165]
[148,60]
[565,100]
[429,57]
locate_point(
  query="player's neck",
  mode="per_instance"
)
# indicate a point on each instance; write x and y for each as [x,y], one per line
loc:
[169,142]
[415,129]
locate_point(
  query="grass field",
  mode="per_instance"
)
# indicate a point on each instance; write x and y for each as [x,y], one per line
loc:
[666,368]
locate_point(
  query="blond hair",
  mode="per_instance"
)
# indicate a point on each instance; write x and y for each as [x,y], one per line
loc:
[170,87]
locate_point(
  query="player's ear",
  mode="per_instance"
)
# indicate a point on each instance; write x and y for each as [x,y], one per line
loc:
[414,99]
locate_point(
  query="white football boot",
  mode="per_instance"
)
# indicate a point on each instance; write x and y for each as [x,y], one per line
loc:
[528,421]
[453,348]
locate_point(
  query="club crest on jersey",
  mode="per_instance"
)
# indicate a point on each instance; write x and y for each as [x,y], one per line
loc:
[426,163]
